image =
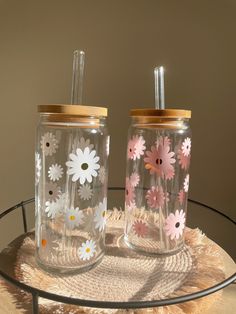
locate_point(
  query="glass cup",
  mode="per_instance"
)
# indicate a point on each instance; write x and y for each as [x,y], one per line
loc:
[157,179]
[72,147]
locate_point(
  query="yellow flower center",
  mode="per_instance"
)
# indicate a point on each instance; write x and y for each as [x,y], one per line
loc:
[103,213]
[87,250]
[44,242]
[72,217]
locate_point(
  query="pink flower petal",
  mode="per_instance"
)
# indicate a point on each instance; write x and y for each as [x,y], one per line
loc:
[174,224]
[160,159]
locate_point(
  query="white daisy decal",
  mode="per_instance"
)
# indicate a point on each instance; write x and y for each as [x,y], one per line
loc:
[74,218]
[186,147]
[186,183]
[102,174]
[100,215]
[38,167]
[87,250]
[82,143]
[83,165]
[55,207]
[51,209]
[47,244]
[49,144]
[52,192]
[61,202]
[55,172]
[85,192]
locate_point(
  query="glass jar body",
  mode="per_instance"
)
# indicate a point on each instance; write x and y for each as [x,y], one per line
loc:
[157,183]
[71,192]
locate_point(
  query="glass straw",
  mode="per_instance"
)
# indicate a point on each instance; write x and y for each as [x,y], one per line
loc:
[77,77]
[160,104]
[76,98]
[159,88]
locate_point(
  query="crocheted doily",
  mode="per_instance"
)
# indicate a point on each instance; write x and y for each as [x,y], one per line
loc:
[124,275]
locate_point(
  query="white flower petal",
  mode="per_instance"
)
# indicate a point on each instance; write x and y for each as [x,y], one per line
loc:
[96,159]
[92,154]
[96,166]
[83,165]
[82,180]
[75,177]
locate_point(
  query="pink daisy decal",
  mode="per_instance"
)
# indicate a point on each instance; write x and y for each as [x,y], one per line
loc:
[186,146]
[131,148]
[174,224]
[139,147]
[140,228]
[136,147]
[134,179]
[181,197]
[129,193]
[156,197]
[186,183]
[166,141]
[160,159]
[131,206]
[184,161]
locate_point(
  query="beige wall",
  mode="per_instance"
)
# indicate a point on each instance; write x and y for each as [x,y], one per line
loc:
[123,41]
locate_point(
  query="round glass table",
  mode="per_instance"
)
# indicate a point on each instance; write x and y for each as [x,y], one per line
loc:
[20,223]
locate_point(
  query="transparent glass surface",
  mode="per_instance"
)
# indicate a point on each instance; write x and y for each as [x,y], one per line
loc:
[157,183]
[71,192]
[199,216]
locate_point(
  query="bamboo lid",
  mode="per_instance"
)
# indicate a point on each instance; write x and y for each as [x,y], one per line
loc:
[73,110]
[161,113]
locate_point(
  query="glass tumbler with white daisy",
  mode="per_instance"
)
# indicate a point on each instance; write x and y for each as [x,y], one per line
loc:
[157,179]
[72,148]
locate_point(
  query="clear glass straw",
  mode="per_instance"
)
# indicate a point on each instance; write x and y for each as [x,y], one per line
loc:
[76,98]
[160,104]
[77,77]
[159,88]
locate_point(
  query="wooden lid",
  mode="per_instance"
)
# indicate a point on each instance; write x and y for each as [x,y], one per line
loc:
[74,110]
[164,113]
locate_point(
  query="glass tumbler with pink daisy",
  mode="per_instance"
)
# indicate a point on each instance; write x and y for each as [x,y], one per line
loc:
[72,147]
[157,179]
